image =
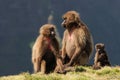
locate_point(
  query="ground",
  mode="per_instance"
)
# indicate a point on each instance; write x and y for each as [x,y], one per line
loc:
[78,73]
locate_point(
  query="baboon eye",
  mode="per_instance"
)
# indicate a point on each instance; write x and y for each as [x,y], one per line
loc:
[52,29]
[64,18]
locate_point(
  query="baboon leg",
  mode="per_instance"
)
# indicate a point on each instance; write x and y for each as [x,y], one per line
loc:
[60,67]
[83,59]
[36,66]
[97,66]
[43,66]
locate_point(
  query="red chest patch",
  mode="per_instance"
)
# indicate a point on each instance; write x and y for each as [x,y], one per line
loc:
[70,37]
[48,41]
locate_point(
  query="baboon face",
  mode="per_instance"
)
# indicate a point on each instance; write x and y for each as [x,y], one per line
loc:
[102,56]
[70,18]
[48,30]
[99,47]
[52,32]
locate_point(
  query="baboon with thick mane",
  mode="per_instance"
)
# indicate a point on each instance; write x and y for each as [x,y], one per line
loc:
[45,51]
[101,58]
[77,44]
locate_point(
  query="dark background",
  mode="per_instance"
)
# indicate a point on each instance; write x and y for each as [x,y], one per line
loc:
[20,21]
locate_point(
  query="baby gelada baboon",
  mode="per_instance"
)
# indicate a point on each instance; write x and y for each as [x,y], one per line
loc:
[101,58]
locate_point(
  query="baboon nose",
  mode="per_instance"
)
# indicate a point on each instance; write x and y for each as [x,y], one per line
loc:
[63,24]
[98,49]
[53,33]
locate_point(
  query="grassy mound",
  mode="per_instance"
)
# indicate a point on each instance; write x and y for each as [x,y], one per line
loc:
[79,73]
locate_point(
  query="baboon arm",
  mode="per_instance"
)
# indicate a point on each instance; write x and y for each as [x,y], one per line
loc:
[76,53]
[55,52]
[54,46]
[96,58]
[64,45]
[75,56]
[63,52]
[42,50]
[39,48]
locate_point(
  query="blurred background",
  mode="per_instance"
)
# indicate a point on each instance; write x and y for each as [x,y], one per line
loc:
[20,21]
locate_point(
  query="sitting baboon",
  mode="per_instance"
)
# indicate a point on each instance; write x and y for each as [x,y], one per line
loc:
[45,51]
[77,44]
[101,58]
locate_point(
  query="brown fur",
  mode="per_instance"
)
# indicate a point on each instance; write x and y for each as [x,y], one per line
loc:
[101,58]
[45,52]
[77,44]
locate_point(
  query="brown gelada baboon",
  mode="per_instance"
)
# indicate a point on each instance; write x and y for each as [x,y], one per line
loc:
[77,44]
[45,51]
[101,58]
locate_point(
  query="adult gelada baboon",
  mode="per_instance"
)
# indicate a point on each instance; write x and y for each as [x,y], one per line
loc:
[101,58]
[45,51]
[77,44]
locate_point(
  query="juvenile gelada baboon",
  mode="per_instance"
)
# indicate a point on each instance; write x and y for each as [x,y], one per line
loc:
[101,58]
[77,44]
[45,51]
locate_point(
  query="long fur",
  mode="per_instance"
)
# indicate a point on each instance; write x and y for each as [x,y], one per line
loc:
[81,35]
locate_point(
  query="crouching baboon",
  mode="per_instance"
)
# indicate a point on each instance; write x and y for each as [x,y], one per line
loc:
[101,58]
[45,51]
[77,44]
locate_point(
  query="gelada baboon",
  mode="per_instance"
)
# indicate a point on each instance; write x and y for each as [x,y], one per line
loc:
[77,44]
[101,58]
[45,51]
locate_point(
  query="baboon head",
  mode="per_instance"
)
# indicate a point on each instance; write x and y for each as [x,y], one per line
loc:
[48,30]
[70,18]
[99,47]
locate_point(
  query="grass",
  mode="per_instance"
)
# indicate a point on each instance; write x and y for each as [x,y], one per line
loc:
[79,73]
